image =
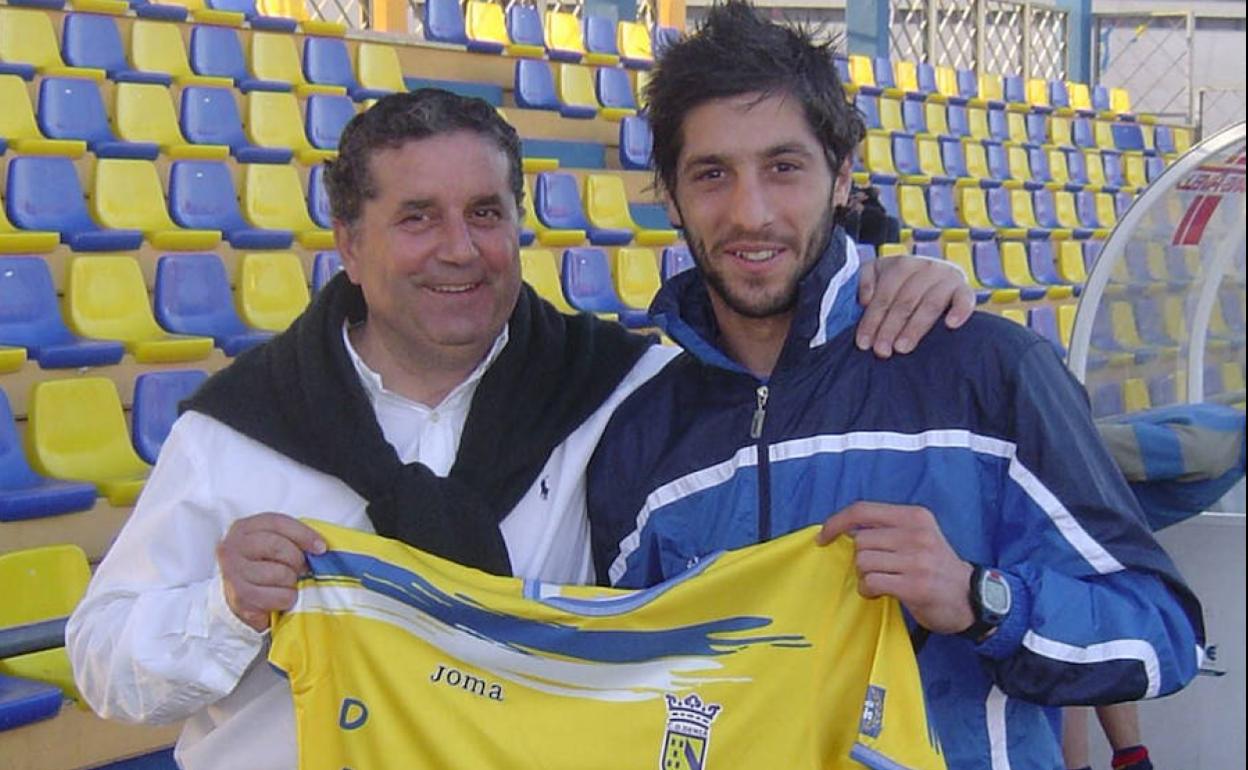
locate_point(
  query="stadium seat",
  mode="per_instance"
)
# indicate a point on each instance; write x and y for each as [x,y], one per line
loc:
[156,46]
[564,42]
[192,296]
[953,157]
[1037,128]
[1002,268]
[877,155]
[606,208]
[976,158]
[918,226]
[484,27]
[1038,162]
[1153,167]
[1013,89]
[23,701]
[936,118]
[273,121]
[210,116]
[273,199]
[71,108]
[615,94]
[998,127]
[914,115]
[254,18]
[1042,319]
[326,61]
[998,163]
[126,194]
[1060,131]
[76,431]
[1024,213]
[931,164]
[636,275]
[943,212]
[925,76]
[325,265]
[20,130]
[973,209]
[30,318]
[574,84]
[524,27]
[890,114]
[882,71]
[106,298]
[25,494]
[272,57]
[156,399]
[598,33]
[202,196]
[143,113]
[1102,134]
[869,106]
[318,199]
[535,87]
[327,116]
[272,289]
[1077,168]
[378,68]
[1082,133]
[557,203]
[1106,211]
[217,52]
[862,74]
[1001,212]
[977,122]
[636,143]
[633,42]
[41,584]
[15,241]
[44,194]
[1163,139]
[538,268]
[674,260]
[958,120]
[588,286]
[906,159]
[444,22]
[1043,268]
[959,253]
[28,41]
[664,37]
[91,41]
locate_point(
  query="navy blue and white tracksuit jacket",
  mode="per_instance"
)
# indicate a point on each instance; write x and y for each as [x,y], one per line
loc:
[983,426]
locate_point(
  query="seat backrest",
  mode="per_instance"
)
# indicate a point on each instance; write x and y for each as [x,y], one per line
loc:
[599,34]
[1082,133]
[156,399]
[524,26]
[636,143]
[444,22]
[861,70]
[877,153]
[986,256]
[325,265]
[483,22]
[1041,262]
[977,120]
[1018,161]
[606,202]
[106,298]
[998,161]
[999,209]
[29,315]
[928,149]
[633,42]
[72,108]
[953,157]
[192,296]
[890,114]
[869,106]
[936,118]
[92,40]
[538,268]
[217,52]
[202,197]
[1080,97]
[318,199]
[377,67]
[968,84]
[563,32]
[905,157]
[210,116]
[959,122]
[675,259]
[127,194]
[557,202]
[914,115]
[272,56]
[905,75]
[15,472]
[1013,88]
[76,430]
[156,46]
[17,119]
[143,112]
[912,205]
[636,276]
[273,120]
[575,83]
[990,87]
[26,37]
[273,198]
[941,207]
[976,159]
[586,279]
[614,89]
[272,289]
[45,194]
[1045,209]
[327,116]
[327,61]
[42,583]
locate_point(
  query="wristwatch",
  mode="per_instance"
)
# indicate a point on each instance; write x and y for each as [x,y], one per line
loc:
[990,601]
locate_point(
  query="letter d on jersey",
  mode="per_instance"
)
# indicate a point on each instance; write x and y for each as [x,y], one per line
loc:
[688,737]
[353,714]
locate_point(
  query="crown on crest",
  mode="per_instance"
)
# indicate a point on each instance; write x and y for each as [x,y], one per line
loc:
[691,710]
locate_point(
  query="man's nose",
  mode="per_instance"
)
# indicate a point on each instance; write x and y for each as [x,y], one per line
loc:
[458,245]
[751,207]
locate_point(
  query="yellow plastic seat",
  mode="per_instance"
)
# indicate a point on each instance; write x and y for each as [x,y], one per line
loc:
[76,430]
[890,114]
[937,119]
[156,46]
[946,81]
[877,153]
[272,290]
[640,79]
[107,299]
[1016,315]
[43,583]
[973,208]
[906,75]
[298,10]
[11,359]
[1182,139]
[1068,214]
[126,194]
[1105,213]
[1103,134]
[1016,122]
[1095,168]
[912,206]
[273,120]
[959,253]
[377,67]
[563,33]
[27,37]
[1133,170]
[1017,271]
[15,241]
[1037,92]
[19,128]
[1080,95]
[635,273]
[537,267]
[576,88]
[272,198]
[930,161]
[1058,169]
[1018,161]
[144,113]
[205,15]
[977,119]
[606,206]
[272,56]
[976,159]
[991,88]
[1119,100]
[1025,213]
[633,41]
[1059,131]
[484,22]
[545,235]
[1066,322]
[861,70]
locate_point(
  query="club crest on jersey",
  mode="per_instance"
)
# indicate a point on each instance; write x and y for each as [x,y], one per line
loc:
[872,721]
[688,737]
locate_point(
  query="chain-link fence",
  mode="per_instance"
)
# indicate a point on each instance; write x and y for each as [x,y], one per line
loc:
[1218,108]
[1150,55]
[353,13]
[987,36]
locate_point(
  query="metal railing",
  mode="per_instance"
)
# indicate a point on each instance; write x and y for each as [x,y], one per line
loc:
[1150,55]
[988,36]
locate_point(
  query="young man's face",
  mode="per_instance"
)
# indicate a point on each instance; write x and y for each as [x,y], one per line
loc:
[436,251]
[755,196]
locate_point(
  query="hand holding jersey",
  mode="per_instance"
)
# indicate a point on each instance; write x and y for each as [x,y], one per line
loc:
[261,558]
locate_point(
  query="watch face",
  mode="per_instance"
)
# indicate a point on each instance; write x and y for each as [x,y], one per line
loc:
[995,594]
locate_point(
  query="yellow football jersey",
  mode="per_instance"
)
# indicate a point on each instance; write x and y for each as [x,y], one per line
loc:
[761,658]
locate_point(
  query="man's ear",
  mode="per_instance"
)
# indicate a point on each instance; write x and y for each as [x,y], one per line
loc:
[673,211]
[344,240]
[842,182]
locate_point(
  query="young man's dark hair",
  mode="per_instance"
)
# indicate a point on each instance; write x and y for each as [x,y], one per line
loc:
[399,118]
[737,51]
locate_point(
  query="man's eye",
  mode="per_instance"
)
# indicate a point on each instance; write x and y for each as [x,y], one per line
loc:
[710,174]
[492,214]
[784,167]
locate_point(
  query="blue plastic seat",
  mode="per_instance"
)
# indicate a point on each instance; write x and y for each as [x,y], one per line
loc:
[999,209]
[636,143]
[869,106]
[535,86]
[998,126]
[998,161]
[255,19]
[986,256]
[25,494]
[663,38]
[1153,166]
[23,701]
[1013,89]
[587,285]
[92,40]
[1081,133]
[675,259]
[953,157]
[72,108]
[159,11]
[210,116]
[1163,139]
[1038,161]
[202,197]
[599,36]
[44,193]
[926,75]
[1042,319]
[914,115]
[614,90]
[557,202]
[325,265]
[156,399]
[444,22]
[217,52]
[326,117]
[905,155]
[192,296]
[887,193]
[1127,136]
[30,317]
[1100,98]
[959,124]
[1043,265]
[1076,167]
[883,70]
[1037,127]
[943,211]
[968,84]
[524,26]
[1111,162]
[318,199]
[326,61]
[1122,202]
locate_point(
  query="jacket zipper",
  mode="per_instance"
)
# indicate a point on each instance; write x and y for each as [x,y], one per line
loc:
[764,466]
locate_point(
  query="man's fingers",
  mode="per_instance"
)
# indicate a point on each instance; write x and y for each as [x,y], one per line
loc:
[963,307]
[866,283]
[266,599]
[268,574]
[303,536]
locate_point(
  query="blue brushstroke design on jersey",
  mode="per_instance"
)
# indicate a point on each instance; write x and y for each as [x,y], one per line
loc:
[527,634]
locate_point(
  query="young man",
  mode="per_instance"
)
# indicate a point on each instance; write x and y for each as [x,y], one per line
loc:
[426,395]
[968,473]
